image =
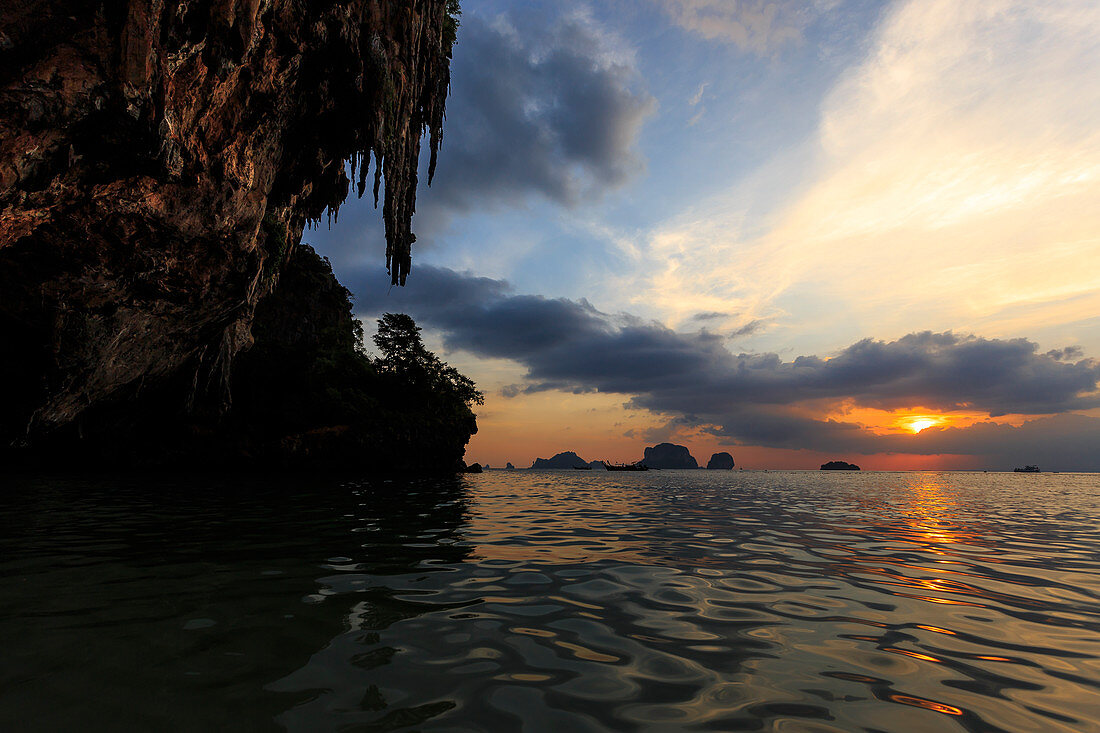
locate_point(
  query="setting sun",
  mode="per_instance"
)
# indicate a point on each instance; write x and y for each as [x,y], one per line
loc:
[920,423]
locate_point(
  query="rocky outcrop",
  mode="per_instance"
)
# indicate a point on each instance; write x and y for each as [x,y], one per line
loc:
[839,466]
[158,163]
[567,459]
[721,461]
[305,396]
[668,455]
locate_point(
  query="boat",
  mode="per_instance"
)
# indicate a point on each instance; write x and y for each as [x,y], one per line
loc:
[639,466]
[582,468]
[1027,469]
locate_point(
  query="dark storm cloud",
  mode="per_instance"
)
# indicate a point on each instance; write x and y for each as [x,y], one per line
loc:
[569,343]
[537,107]
[752,398]
[1069,353]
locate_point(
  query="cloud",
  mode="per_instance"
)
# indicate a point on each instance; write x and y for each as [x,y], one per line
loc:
[546,108]
[696,102]
[698,96]
[749,328]
[952,179]
[759,399]
[758,26]
[1068,353]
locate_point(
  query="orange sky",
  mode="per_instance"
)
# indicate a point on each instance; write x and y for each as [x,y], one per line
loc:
[599,427]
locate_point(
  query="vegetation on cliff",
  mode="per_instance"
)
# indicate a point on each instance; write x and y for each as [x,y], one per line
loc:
[308,393]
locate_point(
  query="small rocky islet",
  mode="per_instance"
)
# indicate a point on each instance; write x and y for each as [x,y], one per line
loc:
[839,466]
[660,456]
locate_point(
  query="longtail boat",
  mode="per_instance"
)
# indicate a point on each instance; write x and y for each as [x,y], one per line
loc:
[639,466]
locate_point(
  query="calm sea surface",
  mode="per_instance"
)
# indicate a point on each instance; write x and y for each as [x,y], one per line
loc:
[553,601]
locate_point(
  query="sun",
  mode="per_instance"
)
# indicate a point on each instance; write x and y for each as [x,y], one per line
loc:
[920,423]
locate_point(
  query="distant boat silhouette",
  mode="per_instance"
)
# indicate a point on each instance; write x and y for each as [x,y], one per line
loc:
[1027,469]
[582,468]
[625,466]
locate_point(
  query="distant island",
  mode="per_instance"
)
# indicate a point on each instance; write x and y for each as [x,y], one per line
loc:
[721,461]
[565,459]
[839,466]
[669,455]
[662,455]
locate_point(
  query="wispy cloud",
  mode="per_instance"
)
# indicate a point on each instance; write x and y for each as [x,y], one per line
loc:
[758,26]
[954,175]
[696,103]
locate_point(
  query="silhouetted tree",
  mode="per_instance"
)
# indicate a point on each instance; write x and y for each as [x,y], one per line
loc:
[308,393]
[398,339]
[405,357]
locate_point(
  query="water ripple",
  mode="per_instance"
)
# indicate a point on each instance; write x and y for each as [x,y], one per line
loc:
[552,601]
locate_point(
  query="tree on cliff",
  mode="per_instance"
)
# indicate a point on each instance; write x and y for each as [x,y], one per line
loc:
[307,393]
[405,357]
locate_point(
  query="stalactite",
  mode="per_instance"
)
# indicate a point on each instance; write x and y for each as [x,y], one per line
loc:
[404,85]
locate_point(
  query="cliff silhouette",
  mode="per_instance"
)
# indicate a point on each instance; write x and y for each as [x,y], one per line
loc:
[566,459]
[669,455]
[158,164]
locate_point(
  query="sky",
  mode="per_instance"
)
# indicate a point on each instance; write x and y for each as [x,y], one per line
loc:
[794,230]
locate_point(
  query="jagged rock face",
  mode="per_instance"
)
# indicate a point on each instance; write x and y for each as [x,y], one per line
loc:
[158,162]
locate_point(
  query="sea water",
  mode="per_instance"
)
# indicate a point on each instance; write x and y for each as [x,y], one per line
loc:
[553,601]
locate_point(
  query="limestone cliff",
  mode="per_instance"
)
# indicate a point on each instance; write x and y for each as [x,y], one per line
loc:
[669,455]
[158,163]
